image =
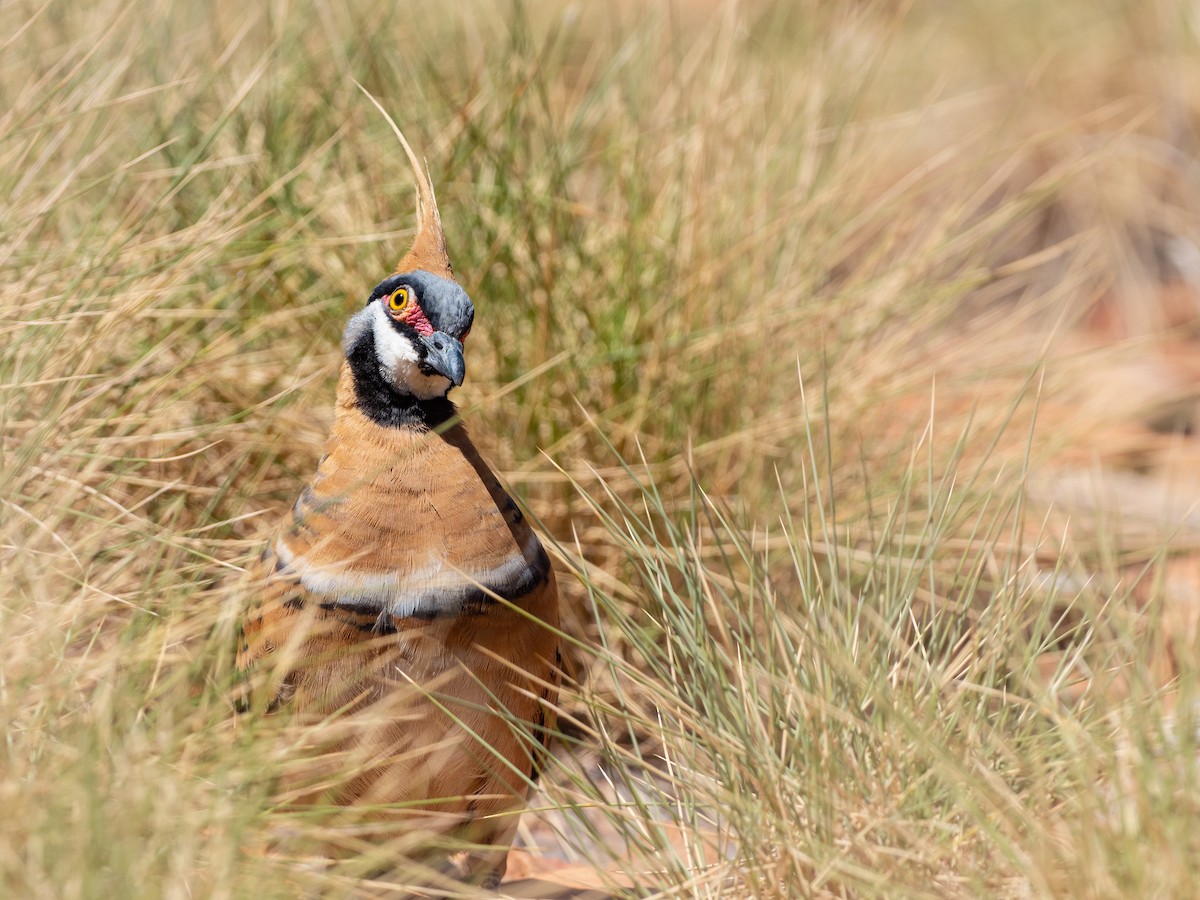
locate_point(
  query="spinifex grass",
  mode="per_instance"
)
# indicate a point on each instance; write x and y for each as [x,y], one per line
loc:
[774,319]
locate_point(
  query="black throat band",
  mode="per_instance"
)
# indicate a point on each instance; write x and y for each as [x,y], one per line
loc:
[382,403]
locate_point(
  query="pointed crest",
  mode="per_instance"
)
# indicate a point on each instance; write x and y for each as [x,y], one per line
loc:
[428,249]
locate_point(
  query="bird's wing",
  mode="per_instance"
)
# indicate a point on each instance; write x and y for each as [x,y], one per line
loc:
[291,642]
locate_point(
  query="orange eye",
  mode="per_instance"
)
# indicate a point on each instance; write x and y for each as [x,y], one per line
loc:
[398,302]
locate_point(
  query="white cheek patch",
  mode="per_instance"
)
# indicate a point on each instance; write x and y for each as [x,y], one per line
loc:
[399,363]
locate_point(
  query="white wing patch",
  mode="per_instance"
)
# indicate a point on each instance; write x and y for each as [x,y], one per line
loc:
[409,593]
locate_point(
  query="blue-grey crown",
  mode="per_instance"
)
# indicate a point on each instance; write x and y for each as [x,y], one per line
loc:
[445,303]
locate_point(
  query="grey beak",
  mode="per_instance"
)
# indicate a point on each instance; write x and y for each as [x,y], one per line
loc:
[444,355]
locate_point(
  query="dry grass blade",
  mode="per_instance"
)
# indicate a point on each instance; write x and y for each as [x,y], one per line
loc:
[920,623]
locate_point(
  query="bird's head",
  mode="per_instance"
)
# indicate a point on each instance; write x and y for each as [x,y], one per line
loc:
[407,344]
[411,334]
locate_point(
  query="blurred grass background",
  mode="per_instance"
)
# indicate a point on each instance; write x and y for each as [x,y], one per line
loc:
[846,353]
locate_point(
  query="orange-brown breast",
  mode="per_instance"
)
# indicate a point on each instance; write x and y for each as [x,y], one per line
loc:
[372,620]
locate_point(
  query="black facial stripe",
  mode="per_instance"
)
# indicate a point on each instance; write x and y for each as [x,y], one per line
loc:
[388,286]
[414,337]
[382,403]
[444,302]
[403,328]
